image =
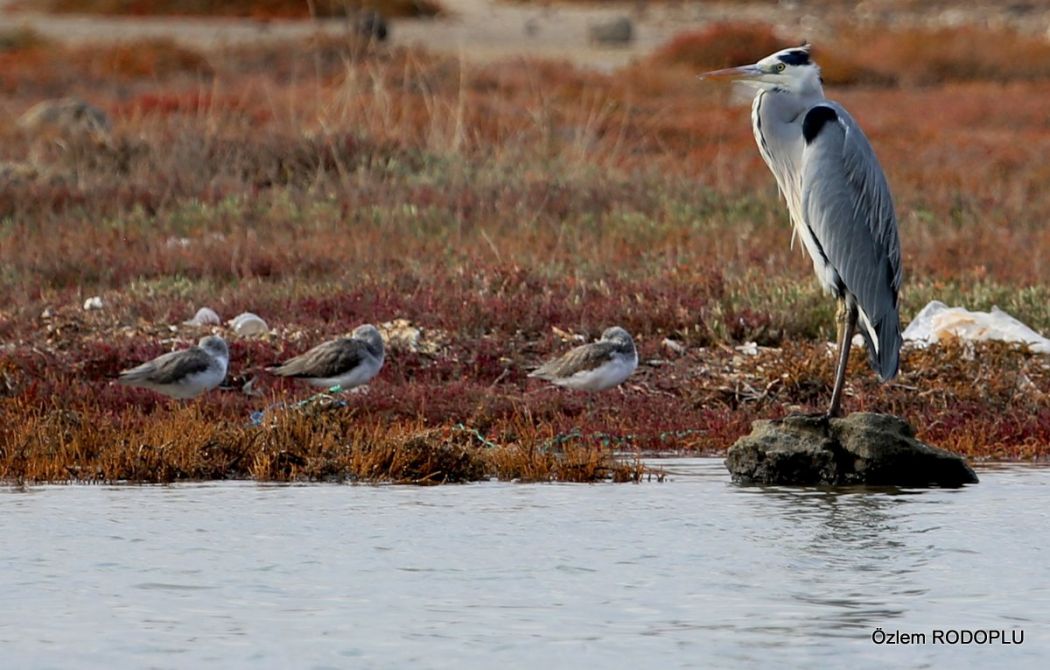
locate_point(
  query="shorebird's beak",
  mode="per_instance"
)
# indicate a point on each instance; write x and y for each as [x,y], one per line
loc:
[742,72]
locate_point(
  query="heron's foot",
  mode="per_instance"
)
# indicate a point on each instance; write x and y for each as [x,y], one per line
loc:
[835,411]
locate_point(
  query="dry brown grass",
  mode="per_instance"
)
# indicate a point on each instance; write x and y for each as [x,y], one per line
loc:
[181,443]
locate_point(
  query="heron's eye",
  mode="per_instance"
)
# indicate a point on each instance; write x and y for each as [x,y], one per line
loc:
[780,67]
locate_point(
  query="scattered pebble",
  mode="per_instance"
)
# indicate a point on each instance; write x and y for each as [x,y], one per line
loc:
[748,348]
[401,335]
[674,345]
[248,324]
[92,304]
[567,336]
[249,389]
[618,31]
[205,316]
[65,117]
[178,242]
[15,172]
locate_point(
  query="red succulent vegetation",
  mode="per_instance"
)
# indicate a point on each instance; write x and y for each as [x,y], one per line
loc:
[325,184]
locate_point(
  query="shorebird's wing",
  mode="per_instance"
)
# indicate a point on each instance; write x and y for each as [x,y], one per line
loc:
[330,359]
[581,359]
[169,368]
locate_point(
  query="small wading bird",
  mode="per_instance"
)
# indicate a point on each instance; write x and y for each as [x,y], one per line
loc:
[837,196]
[593,367]
[339,364]
[183,374]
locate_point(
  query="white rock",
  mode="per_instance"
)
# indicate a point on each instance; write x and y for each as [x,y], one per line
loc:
[674,345]
[93,303]
[248,324]
[748,348]
[205,316]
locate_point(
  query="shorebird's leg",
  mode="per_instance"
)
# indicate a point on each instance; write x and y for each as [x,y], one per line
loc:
[845,342]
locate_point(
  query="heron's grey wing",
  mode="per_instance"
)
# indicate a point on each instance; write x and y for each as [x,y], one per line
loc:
[848,208]
[169,368]
[582,358]
[325,360]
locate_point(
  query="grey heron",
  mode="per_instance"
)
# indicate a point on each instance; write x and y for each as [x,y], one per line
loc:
[838,199]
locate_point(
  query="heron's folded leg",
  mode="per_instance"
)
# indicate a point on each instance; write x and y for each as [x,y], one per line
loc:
[845,342]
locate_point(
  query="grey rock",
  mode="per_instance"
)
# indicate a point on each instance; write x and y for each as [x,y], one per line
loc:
[371,24]
[65,117]
[17,172]
[616,31]
[862,448]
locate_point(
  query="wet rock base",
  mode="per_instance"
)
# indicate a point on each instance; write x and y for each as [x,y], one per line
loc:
[862,448]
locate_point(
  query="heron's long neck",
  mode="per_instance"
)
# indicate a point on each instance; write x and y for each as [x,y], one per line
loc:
[776,118]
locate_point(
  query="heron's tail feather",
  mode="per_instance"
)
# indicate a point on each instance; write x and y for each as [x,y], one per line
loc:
[885,360]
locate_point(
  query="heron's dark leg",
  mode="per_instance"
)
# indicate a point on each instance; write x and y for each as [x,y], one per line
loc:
[845,342]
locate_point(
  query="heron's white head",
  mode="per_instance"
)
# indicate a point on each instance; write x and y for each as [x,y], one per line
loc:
[789,70]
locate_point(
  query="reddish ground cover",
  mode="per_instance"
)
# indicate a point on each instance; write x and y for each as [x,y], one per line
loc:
[331,184]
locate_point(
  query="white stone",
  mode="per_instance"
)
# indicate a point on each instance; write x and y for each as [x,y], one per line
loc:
[248,324]
[205,316]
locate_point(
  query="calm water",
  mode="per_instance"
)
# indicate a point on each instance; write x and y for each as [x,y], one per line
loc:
[693,572]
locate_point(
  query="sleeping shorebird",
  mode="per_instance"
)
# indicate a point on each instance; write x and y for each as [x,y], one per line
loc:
[183,374]
[339,364]
[593,367]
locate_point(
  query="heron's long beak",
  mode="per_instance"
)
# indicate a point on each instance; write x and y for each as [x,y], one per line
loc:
[742,72]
